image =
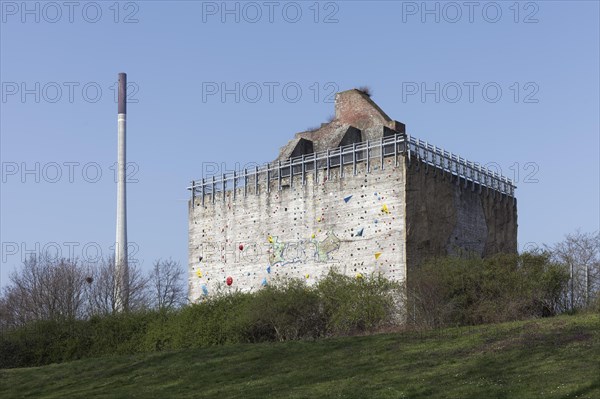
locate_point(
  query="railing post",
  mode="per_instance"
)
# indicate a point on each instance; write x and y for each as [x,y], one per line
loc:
[457,166]
[303,169]
[256,180]
[245,182]
[368,158]
[224,187]
[315,177]
[328,165]
[382,152]
[193,192]
[279,175]
[214,187]
[203,183]
[291,173]
[354,159]
[426,153]
[396,150]
[234,185]
[268,178]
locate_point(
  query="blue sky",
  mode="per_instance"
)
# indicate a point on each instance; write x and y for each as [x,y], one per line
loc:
[514,85]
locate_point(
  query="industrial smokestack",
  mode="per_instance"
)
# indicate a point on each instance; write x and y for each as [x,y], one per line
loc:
[121,267]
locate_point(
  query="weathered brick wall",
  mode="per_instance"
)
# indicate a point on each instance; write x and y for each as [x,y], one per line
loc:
[301,231]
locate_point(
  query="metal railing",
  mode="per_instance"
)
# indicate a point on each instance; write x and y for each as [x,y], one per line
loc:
[372,153]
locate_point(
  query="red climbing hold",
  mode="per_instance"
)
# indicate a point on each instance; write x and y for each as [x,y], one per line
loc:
[229,280]
[241,247]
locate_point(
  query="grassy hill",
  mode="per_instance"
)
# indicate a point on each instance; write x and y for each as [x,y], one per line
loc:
[546,358]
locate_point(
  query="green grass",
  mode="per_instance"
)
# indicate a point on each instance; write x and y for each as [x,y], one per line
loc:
[546,358]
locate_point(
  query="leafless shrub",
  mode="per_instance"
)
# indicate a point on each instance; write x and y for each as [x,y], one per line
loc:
[580,253]
[166,285]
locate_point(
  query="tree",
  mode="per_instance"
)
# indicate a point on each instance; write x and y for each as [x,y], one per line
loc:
[45,288]
[101,289]
[580,253]
[166,285]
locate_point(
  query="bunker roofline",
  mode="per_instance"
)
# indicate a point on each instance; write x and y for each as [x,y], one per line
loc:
[359,132]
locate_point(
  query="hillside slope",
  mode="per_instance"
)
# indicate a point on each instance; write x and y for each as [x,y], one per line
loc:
[549,358]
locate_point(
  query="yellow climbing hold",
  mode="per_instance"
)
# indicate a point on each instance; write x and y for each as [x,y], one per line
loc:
[377,255]
[359,276]
[306,275]
[313,236]
[199,273]
[385,209]
[270,240]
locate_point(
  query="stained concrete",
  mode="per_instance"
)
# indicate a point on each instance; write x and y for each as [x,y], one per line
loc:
[378,221]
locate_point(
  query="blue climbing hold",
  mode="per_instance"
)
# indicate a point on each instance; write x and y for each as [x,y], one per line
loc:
[359,233]
[269,269]
[347,198]
[204,289]
[264,282]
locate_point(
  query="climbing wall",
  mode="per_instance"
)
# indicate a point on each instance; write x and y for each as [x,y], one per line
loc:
[355,223]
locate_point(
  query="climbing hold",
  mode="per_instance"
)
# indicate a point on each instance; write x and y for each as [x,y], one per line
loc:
[241,247]
[359,233]
[385,209]
[377,255]
[269,269]
[270,239]
[199,273]
[229,280]
[264,282]
[347,198]
[204,289]
[359,276]
[89,280]
[200,259]
[306,275]
[312,236]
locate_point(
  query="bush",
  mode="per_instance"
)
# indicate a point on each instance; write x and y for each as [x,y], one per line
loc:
[357,305]
[454,291]
[446,291]
[120,333]
[287,310]
[216,321]
[44,342]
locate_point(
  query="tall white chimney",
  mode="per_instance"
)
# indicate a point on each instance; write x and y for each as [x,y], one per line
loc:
[121,267]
